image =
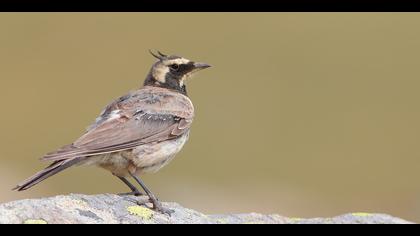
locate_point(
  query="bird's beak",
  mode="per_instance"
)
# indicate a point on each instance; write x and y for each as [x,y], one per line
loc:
[199,66]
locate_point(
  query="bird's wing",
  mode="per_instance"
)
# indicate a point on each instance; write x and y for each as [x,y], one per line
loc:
[147,115]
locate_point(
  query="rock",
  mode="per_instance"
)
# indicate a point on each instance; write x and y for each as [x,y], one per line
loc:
[113,209]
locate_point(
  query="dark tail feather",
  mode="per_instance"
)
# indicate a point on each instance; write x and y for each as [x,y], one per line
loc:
[51,170]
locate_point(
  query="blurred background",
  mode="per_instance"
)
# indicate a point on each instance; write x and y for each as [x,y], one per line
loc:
[302,114]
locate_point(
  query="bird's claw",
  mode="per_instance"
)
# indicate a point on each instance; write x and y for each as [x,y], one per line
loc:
[157,206]
[162,210]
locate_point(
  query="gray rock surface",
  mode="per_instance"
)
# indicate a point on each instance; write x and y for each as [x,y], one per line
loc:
[113,209]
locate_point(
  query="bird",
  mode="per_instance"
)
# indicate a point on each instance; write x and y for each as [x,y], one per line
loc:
[137,133]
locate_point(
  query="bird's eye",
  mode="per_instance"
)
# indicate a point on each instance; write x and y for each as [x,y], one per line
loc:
[174,66]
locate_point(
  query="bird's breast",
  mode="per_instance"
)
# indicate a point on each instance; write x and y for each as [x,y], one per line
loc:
[152,157]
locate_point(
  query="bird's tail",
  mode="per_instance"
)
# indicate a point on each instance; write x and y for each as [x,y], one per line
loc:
[51,170]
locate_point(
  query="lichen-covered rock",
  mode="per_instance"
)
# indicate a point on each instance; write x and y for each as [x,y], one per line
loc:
[113,209]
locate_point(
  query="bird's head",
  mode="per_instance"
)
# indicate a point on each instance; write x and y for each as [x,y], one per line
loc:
[172,71]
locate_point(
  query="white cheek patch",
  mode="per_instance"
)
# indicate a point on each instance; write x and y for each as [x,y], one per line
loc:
[160,72]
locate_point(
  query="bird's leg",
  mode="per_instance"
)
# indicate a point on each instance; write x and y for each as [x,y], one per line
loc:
[134,190]
[156,204]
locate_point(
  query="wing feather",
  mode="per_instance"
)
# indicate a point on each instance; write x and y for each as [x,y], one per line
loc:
[149,115]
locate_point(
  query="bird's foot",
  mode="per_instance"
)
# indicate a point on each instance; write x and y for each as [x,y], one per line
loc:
[159,208]
[156,205]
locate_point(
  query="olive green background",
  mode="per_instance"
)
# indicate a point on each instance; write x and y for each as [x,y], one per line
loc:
[302,114]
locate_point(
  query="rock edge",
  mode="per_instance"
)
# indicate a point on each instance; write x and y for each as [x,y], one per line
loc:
[113,209]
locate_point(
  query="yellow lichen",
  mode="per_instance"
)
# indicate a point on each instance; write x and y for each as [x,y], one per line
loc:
[80,202]
[295,219]
[35,222]
[253,222]
[328,221]
[362,214]
[140,211]
[221,221]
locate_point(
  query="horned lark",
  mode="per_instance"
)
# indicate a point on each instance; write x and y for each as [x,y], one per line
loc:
[137,133]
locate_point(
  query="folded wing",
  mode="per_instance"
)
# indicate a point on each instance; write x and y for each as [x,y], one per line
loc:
[129,122]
